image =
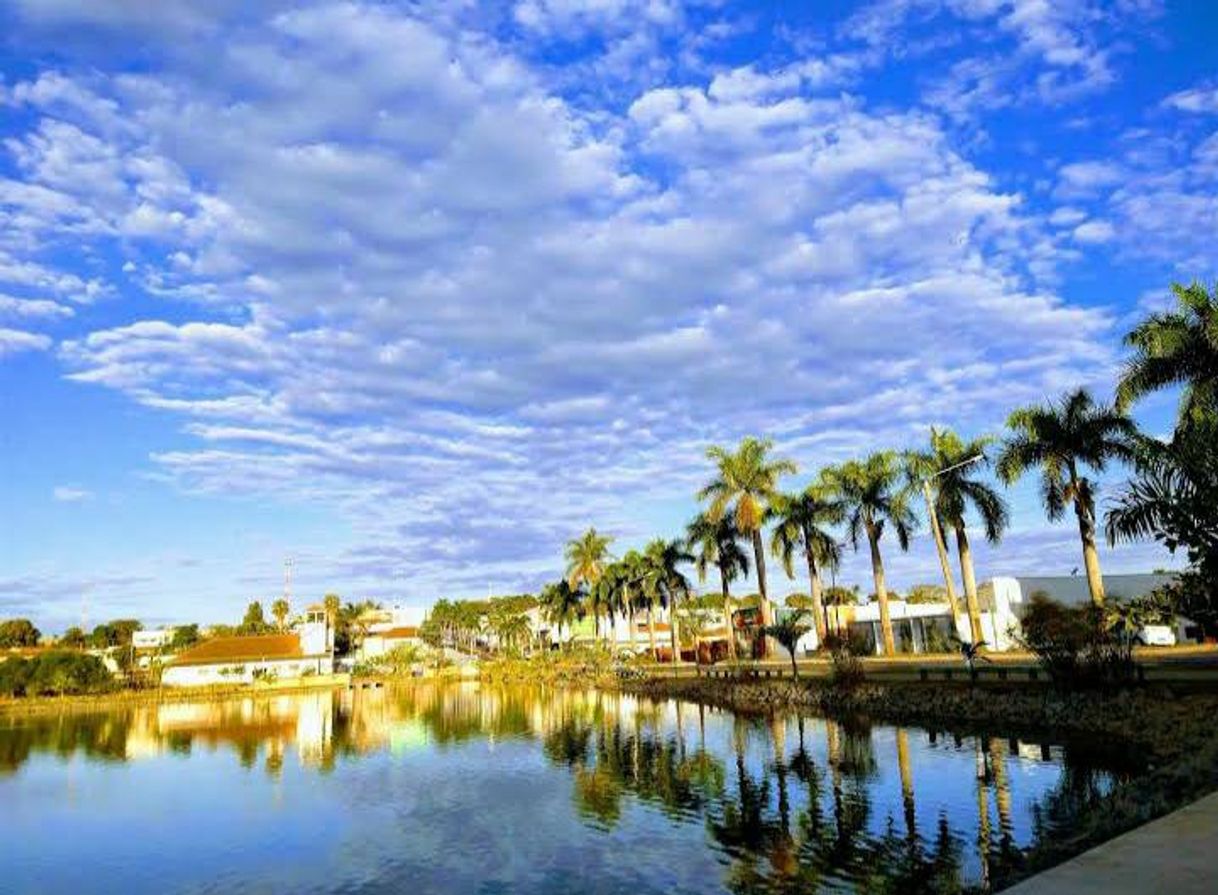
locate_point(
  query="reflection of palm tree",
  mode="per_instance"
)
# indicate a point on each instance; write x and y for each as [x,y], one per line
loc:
[907,791]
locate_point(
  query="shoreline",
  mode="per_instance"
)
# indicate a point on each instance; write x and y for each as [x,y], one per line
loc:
[119,699]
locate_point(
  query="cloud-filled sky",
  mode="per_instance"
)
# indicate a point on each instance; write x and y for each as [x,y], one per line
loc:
[414,292]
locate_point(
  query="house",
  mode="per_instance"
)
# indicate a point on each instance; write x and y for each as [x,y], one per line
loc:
[152,640]
[229,660]
[389,629]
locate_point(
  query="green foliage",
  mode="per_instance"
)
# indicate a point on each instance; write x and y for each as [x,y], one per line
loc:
[1079,646]
[280,610]
[114,633]
[185,636]
[787,632]
[927,593]
[73,638]
[837,595]
[254,622]
[18,632]
[55,672]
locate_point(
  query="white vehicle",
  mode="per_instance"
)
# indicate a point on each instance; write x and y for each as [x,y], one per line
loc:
[1157,635]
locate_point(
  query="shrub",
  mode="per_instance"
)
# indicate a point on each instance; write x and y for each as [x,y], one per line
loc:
[1077,646]
[59,672]
[845,650]
[14,676]
[853,642]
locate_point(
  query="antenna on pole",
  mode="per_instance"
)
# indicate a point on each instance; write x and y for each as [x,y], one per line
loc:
[288,565]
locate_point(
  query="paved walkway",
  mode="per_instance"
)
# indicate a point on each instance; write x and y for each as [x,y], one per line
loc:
[1177,854]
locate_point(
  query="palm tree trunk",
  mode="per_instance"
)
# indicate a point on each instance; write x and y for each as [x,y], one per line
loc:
[727,616]
[814,585]
[881,592]
[767,612]
[651,633]
[675,630]
[941,547]
[1091,558]
[634,651]
[970,583]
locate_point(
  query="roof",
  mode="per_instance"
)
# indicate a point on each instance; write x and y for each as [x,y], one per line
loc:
[225,650]
[402,633]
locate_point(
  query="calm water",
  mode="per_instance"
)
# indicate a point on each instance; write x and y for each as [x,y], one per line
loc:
[462,789]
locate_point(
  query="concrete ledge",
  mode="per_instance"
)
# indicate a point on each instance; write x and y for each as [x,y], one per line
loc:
[1175,854]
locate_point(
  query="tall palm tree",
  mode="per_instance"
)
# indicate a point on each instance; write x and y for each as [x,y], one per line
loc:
[665,583]
[1177,347]
[586,557]
[1060,438]
[957,488]
[280,610]
[871,492]
[801,522]
[717,543]
[746,481]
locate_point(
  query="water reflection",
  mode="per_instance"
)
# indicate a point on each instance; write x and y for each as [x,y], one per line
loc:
[782,803]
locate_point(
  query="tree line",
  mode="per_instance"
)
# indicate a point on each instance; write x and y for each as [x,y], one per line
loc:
[869,502]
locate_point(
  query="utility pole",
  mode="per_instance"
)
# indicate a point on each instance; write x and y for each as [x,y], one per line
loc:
[288,564]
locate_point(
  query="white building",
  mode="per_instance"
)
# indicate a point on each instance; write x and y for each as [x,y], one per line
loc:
[233,660]
[393,627]
[152,640]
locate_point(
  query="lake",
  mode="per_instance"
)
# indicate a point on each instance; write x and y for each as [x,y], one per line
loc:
[463,788]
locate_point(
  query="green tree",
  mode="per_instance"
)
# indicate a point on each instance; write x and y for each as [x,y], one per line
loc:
[586,558]
[870,491]
[280,610]
[114,633]
[18,632]
[184,637]
[950,464]
[717,543]
[745,483]
[787,632]
[1178,347]
[73,638]
[665,585]
[254,621]
[801,522]
[561,605]
[1060,439]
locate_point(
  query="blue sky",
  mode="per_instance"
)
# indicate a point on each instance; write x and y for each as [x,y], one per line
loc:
[414,292]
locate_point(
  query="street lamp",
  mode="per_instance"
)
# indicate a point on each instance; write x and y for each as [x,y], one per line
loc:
[937,532]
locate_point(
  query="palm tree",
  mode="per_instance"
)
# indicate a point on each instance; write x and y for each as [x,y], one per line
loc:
[787,632]
[801,521]
[953,465]
[873,499]
[665,585]
[1059,438]
[586,557]
[746,481]
[280,610]
[718,544]
[1177,347]
[561,605]
[333,604]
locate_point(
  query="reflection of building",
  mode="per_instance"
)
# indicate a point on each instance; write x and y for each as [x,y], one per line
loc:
[225,660]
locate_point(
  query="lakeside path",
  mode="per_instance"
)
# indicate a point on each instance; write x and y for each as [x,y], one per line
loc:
[1172,854]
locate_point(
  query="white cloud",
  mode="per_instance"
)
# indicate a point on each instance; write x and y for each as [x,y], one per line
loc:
[71,494]
[1202,99]
[16,341]
[14,307]
[1093,232]
[409,281]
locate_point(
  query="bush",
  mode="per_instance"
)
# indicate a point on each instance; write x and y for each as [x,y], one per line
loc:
[54,673]
[852,642]
[1077,646]
[845,651]
[14,677]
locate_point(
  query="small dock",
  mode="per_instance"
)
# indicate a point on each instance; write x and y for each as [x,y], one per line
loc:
[1172,854]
